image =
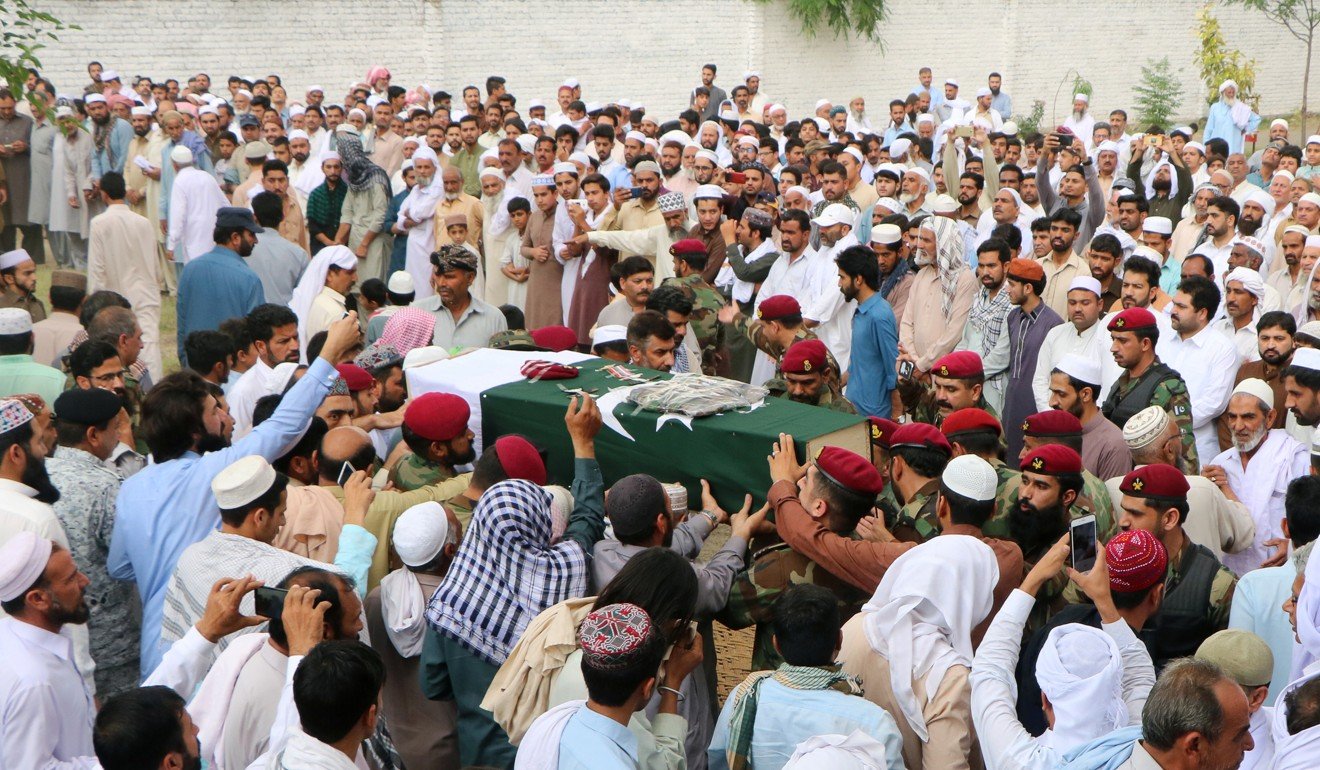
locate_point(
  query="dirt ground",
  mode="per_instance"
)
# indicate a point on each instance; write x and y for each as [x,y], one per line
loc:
[733,648]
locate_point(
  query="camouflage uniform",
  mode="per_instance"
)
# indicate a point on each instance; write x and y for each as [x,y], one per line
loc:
[754,330]
[1172,396]
[771,571]
[413,472]
[921,408]
[706,304]
[917,521]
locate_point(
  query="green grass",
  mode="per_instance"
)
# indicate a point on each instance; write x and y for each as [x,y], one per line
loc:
[168,327]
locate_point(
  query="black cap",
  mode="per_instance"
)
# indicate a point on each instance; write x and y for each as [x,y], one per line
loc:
[235,216]
[249,120]
[93,406]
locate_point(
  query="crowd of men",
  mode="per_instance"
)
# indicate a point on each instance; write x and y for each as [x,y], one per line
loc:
[1087,359]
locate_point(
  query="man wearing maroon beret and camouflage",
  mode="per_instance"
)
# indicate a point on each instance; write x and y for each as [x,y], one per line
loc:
[689,260]
[1059,427]
[976,432]
[1146,381]
[435,428]
[807,378]
[918,454]
[777,325]
[957,382]
[1198,588]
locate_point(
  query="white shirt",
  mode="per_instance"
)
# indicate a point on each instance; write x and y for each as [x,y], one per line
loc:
[789,276]
[1261,486]
[1005,743]
[47,710]
[1208,364]
[1092,344]
[1244,339]
[825,303]
[194,200]
[243,396]
[1218,256]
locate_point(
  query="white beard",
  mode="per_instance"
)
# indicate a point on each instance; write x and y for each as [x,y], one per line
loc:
[906,197]
[1250,444]
[451,196]
[923,258]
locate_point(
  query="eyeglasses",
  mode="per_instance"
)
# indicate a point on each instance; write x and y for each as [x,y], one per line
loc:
[106,379]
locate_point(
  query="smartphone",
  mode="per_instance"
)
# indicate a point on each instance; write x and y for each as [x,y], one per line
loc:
[737,177]
[905,369]
[1153,141]
[964,132]
[1065,140]
[635,192]
[270,601]
[345,472]
[1081,537]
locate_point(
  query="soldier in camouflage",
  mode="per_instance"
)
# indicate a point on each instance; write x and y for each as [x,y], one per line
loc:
[777,325]
[919,453]
[882,431]
[1199,589]
[435,428]
[976,431]
[808,379]
[1055,426]
[690,257]
[1146,381]
[957,381]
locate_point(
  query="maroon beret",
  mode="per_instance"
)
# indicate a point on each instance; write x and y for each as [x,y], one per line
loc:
[355,377]
[805,357]
[1051,423]
[520,459]
[1157,480]
[969,420]
[959,364]
[556,338]
[850,470]
[437,416]
[882,431]
[922,436]
[1131,320]
[777,307]
[1052,460]
[687,246]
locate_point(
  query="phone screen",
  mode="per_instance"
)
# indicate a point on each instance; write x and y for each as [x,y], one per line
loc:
[1083,542]
[345,472]
[905,369]
[635,192]
[270,601]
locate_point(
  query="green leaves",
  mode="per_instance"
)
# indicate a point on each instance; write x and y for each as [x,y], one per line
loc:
[26,31]
[1217,62]
[1159,94]
[842,17]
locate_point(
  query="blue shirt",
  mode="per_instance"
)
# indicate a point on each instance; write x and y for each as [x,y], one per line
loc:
[121,133]
[213,288]
[871,369]
[1258,608]
[591,741]
[399,250]
[166,507]
[1219,125]
[1002,104]
[786,717]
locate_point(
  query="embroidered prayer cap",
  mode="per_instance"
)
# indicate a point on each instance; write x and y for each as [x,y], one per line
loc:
[850,471]
[378,356]
[756,217]
[615,637]
[1051,423]
[14,258]
[15,320]
[1155,480]
[671,202]
[1255,386]
[339,388]
[886,234]
[13,414]
[609,333]
[1145,426]
[401,282]
[970,476]
[23,560]
[1136,560]
[1052,460]
[438,416]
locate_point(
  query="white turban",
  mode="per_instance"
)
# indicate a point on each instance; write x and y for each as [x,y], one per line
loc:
[857,751]
[424,152]
[313,280]
[1081,671]
[23,559]
[1250,280]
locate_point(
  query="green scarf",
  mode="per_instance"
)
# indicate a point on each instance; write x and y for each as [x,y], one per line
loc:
[739,748]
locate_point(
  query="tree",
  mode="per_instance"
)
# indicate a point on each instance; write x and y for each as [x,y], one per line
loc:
[26,31]
[1217,62]
[1030,122]
[1300,18]
[842,17]
[1158,94]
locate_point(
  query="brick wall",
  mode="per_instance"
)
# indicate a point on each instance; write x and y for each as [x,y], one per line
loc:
[651,50]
